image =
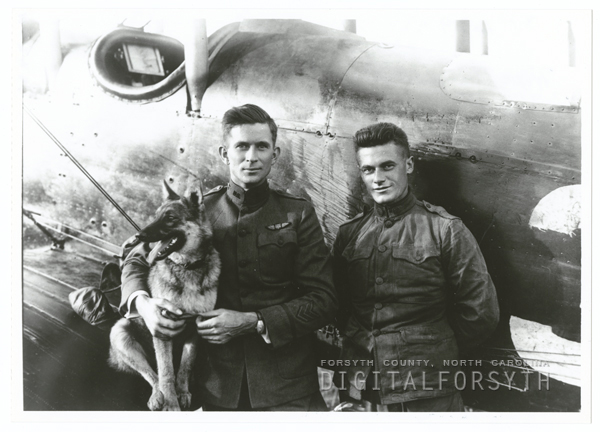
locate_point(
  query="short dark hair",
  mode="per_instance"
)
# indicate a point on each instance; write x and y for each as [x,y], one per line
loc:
[380,134]
[247,114]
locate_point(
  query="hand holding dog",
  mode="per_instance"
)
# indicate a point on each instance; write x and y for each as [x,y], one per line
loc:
[160,325]
[221,325]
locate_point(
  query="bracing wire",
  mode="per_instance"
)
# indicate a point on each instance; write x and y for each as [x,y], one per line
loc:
[81,168]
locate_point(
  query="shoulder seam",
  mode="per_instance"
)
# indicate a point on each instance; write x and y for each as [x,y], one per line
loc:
[354,219]
[438,210]
[288,195]
[214,190]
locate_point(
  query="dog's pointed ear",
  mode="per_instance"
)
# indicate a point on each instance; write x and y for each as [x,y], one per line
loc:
[168,193]
[194,192]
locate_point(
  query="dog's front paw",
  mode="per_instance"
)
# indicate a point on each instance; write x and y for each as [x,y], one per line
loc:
[185,400]
[171,404]
[156,401]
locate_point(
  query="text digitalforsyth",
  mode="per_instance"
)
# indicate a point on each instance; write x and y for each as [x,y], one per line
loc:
[490,381]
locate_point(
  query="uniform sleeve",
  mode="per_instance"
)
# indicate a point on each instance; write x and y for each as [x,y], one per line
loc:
[340,281]
[134,275]
[313,274]
[474,311]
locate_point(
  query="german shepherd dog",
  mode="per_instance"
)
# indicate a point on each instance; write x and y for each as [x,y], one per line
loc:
[185,270]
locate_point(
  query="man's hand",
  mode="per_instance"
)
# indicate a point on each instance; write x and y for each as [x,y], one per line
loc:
[160,316]
[222,325]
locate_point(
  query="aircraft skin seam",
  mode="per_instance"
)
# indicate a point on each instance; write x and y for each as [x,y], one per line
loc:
[334,98]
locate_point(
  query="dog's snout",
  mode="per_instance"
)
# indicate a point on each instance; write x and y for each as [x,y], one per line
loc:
[132,241]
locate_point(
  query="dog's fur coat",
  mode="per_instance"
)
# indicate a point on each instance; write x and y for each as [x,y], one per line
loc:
[185,270]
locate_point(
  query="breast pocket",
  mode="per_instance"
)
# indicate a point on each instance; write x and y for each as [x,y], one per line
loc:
[358,269]
[276,256]
[416,266]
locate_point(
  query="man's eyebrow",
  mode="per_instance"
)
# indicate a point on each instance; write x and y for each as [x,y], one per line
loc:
[257,143]
[391,161]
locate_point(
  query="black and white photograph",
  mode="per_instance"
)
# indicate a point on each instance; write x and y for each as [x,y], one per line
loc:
[268,213]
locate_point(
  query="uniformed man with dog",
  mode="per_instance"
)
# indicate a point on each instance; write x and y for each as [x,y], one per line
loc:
[275,287]
[413,287]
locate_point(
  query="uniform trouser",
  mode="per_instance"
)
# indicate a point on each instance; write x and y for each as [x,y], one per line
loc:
[451,403]
[312,402]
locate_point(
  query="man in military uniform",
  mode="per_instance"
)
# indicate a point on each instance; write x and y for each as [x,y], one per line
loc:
[275,287]
[412,282]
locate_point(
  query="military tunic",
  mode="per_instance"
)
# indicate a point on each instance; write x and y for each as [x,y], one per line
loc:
[411,281]
[274,260]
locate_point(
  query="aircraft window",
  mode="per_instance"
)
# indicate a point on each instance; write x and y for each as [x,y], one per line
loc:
[143,59]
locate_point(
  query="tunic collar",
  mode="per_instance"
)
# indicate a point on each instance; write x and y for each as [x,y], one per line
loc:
[397,208]
[248,200]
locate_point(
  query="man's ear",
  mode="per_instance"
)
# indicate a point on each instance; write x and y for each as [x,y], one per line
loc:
[223,154]
[410,165]
[276,153]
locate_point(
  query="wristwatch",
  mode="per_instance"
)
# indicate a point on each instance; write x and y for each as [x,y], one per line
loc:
[260,325]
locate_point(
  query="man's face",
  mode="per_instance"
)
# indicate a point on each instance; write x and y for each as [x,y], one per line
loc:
[385,169]
[250,152]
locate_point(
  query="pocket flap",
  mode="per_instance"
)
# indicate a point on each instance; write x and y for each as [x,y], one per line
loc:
[353,253]
[426,334]
[414,254]
[278,238]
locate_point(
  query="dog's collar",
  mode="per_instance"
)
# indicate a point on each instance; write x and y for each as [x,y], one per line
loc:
[189,265]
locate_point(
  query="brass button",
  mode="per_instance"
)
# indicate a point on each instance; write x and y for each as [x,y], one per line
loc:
[279,241]
[378,306]
[242,233]
[379,281]
[243,263]
[388,223]
[382,248]
[376,332]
